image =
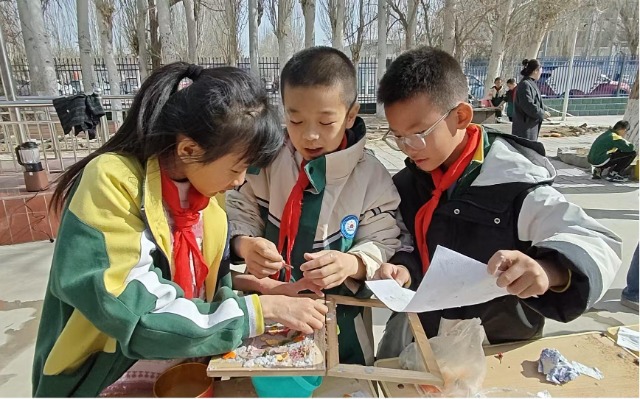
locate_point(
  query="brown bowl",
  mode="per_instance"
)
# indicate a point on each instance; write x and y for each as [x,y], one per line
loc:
[186,380]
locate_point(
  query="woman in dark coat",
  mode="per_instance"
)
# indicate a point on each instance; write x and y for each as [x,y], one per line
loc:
[528,108]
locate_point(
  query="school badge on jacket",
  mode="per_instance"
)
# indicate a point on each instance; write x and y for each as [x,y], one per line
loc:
[349,226]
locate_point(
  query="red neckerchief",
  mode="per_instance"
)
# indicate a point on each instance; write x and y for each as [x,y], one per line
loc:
[185,246]
[291,215]
[442,182]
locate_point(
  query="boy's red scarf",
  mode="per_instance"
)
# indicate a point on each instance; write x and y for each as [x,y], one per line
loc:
[442,182]
[291,215]
[185,246]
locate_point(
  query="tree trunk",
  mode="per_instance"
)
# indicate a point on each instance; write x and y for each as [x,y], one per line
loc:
[192,28]
[412,23]
[84,44]
[537,36]
[253,37]
[155,47]
[382,47]
[337,36]
[284,32]
[143,54]
[232,38]
[631,114]
[42,70]
[498,43]
[449,32]
[169,53]
[309,12]
[106,9]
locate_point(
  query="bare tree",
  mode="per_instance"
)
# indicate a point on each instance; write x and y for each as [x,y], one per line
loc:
[169,51]
[631,113]
[127,29]
[10,25]
[253,36]
[449,29]
[382,47]
[230,17]
[406,12]
[501,15]
[358,22]
[337,37]
[143,54]
[628,10]
[155,47]
[38,49]
[84,44]
[192,39]
[106,8]
[279,13]
[309,12]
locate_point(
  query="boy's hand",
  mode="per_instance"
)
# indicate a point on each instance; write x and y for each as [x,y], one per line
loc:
[524,276]
[260,255]
[388,271]
[295,288]
[328,269]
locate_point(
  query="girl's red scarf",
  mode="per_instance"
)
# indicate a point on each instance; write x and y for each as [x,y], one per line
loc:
[185,246]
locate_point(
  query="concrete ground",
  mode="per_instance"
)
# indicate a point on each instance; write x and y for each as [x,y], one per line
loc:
[24,269]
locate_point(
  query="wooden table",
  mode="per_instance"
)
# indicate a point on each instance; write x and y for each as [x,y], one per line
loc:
[516,374]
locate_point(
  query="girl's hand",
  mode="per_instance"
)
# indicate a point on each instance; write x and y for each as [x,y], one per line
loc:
[328,269]
[300,314]
[260,255]
[388,271]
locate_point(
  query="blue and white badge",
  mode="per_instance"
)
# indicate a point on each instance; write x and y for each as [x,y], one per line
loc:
[349,226]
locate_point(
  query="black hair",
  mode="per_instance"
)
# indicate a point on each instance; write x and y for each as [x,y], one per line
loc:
[320,66]
[513,81]
[621,125]
[497,79]
[529,67]
[224,110]
[424,70]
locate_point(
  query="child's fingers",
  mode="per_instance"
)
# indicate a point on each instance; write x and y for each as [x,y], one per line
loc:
[317,262]
[519,285]
[510,275]
[500,261]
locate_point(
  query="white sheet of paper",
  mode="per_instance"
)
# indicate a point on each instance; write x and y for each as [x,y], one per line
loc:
[628,338]
[453,280]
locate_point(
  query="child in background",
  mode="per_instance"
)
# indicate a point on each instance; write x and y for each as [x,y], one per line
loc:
[612,150]
[510,97]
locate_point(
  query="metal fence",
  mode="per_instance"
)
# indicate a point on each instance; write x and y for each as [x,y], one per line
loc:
[592,77]
[598,76]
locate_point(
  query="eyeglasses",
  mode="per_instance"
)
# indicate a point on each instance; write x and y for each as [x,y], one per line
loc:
[414,141]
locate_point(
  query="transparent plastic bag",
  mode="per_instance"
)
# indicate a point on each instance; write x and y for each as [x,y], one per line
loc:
[458,351]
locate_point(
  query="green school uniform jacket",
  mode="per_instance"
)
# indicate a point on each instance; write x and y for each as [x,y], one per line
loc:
[605,145]
[350,206]
[110,299]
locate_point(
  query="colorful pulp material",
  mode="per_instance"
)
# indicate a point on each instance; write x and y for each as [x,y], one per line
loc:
[559,370]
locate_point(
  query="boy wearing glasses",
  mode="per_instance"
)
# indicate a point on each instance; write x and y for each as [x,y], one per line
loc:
[488,196]
[321,217]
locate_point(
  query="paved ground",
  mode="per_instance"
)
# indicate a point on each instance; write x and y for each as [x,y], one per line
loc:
[24,269]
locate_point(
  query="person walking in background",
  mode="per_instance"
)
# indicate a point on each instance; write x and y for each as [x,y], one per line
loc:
[612,150]
[528,107]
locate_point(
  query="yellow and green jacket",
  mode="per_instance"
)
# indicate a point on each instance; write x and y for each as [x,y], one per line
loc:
[110,298]
[606,144]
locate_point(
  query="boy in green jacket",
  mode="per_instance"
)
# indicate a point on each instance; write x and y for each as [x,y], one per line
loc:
[612,150]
